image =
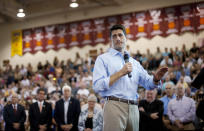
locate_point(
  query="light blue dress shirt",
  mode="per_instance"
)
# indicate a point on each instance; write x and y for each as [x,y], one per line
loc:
[165,101]
[111,62]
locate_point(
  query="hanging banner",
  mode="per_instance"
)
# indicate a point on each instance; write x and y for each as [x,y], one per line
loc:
[128,21]
[27,41]
[141,24]
[99,34]
[61,37]
[16,43]
[186,18]
[148,24]
[74,34]
[155,23]
[86,33]
[50,38]
[200,16]
[38,39]
[171,21]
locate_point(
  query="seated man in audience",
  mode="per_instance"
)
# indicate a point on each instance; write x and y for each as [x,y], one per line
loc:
[181,111]
[165,99]
[151,111]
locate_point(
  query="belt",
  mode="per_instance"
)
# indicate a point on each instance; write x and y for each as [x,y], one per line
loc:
[122,100]
[186,123]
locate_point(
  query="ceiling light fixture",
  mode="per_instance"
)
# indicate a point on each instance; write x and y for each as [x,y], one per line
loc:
[73,4]
[20,13]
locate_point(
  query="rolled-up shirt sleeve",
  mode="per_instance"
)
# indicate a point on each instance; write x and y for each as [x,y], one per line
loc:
[146,80]
[101,78]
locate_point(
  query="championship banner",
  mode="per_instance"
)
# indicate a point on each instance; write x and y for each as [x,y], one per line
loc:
[200,16]
[74,35]
[186,18]
[128,21]
[27,41]
[171,21]
[50,38]
[16,43]
[61,37]
[86,33]
[155,23]
[38,39]
[99,34]
[141,24]
[149,23]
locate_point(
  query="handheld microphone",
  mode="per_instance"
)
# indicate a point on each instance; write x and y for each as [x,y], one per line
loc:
[126,59]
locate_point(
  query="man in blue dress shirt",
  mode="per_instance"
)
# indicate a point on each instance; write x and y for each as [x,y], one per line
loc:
[166,99]
[111,81]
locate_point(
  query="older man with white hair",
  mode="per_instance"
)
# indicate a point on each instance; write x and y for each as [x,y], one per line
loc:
[67,111]
[181,110]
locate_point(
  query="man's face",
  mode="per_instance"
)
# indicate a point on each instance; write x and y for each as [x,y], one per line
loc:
[67,93]
[118,40]
[180,91]
[14,99]
[169,90]
[41,96]
[150,95]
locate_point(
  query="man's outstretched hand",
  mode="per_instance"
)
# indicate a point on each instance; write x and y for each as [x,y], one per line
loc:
[159,73]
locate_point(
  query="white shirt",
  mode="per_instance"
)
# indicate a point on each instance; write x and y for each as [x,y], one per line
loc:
[66,106]
[25,82]
[42,102]
[14,106]
[83,92]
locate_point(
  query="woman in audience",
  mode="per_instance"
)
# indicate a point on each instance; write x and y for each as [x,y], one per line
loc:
[91,117]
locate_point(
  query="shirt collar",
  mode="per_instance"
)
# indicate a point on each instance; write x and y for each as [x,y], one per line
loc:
[41,102]
[177,98]
[67,100]
[115,52]
[14,105]
[173,96]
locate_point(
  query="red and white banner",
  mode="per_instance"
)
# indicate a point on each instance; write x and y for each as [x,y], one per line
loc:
[61,37]
[87,33]
[162,22]
[50,37]
[27,41]
[186,18]
[171,21]
[141,24]
[74,35]
[199,16]
[155,22]
[100,34]
[128,21]
[38,39]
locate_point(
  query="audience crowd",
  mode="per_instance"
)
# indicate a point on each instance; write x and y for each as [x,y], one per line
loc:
[59,95]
